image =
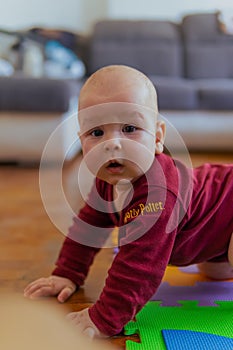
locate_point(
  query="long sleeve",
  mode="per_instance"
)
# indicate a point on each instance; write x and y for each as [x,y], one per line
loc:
[137,270]
[88,234]
[74,261]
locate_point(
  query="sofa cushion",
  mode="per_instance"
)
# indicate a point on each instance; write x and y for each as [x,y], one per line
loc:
[215,94]
[136,29]
[201,27]
[175,93]
[154,47]
[208,51]
[31,94]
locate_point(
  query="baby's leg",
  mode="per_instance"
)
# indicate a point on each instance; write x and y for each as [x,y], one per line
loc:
[217,271]
[230,251]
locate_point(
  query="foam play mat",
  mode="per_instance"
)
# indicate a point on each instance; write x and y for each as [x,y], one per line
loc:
[188,312]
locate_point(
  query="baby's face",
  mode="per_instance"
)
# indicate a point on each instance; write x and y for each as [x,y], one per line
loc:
[118,140]
[117,118]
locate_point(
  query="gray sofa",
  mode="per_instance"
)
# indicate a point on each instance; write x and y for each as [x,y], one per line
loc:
[38,115]
[190,64]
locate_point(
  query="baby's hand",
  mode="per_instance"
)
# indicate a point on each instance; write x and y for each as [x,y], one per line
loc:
[84,323]
[50,286]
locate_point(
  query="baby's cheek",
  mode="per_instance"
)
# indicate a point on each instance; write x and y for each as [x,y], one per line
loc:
[141,154]
[94,157]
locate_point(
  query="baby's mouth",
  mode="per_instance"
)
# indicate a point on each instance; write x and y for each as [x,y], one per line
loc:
[114,166]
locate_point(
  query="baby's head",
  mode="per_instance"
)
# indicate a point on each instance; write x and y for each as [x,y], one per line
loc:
[118,110]
[118,84]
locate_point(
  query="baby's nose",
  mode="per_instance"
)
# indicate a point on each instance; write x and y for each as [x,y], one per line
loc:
[112,145]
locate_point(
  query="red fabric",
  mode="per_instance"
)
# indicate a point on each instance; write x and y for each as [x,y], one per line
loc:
[175,216]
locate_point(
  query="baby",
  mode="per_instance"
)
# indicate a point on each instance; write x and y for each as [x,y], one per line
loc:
[166,213]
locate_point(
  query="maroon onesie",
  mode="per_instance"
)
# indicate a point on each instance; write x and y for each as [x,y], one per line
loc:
[174,215]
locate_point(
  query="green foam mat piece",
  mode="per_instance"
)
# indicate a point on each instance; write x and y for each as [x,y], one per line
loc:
[153,318]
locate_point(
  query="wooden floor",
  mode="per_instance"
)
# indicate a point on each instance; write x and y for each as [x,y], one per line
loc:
[29,239]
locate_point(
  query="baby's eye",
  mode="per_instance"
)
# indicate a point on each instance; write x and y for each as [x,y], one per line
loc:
[129,128]
[97,132]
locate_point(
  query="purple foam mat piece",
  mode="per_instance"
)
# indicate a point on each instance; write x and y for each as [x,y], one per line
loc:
[192,269]
[205,292]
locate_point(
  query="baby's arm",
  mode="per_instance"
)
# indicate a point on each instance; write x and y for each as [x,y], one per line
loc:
[74,260]
[136,271]
[61,287]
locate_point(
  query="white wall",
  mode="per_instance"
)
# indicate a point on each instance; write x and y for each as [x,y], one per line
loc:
[20,14]
[94,10]
[166,9]
[79,15]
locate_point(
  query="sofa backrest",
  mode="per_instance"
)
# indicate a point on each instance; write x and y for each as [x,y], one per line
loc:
[154,47]
[208,51]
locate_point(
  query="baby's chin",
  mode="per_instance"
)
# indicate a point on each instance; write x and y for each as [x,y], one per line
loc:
[119,180]
[115,180]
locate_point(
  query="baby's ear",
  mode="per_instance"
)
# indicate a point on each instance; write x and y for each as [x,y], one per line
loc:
[160,136]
